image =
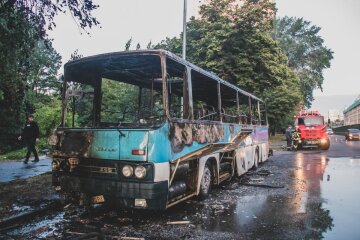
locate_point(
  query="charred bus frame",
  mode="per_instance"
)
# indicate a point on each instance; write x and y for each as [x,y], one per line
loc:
[205,131]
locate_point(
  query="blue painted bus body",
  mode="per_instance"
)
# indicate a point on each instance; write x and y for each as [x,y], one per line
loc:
[118,144]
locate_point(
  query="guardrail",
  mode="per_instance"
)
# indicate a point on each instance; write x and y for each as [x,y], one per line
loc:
[341,130]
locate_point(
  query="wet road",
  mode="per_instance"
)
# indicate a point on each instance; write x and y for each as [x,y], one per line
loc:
[12,170]
[317,198]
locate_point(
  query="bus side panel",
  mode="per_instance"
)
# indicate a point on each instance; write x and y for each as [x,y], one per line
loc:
[261,136]
[118,144]
[241,161]
[249,150]
[264,151]
[202,135]
[161,172]
[159,147]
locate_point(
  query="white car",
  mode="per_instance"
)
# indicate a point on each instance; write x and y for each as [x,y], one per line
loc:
[329,131]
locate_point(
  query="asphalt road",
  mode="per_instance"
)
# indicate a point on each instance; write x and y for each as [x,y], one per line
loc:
[12,170]
[317,197]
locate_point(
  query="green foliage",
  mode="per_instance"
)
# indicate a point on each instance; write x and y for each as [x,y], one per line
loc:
[307,55]
[48,116]
[13,155]
[83,107]
[28,63]
[76,55]
[128,44]
[149,45]
[119,101]
[44,65]
[16,43]
[43,12]
[234,41]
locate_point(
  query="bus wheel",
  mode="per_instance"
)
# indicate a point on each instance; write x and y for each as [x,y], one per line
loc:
[256,160]
[205,184]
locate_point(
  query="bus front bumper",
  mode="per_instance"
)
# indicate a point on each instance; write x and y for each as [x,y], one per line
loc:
[126,194]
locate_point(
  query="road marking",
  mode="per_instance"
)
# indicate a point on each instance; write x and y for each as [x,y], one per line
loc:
[303,202]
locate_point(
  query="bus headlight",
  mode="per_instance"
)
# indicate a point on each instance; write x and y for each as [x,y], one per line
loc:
[127,171]
[140,172]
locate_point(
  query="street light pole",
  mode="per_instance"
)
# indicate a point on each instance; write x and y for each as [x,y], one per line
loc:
[184,31]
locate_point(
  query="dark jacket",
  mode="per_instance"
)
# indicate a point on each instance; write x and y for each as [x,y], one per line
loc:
[30,131]
[288,133]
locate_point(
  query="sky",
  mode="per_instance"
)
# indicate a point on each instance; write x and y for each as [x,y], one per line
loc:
[340,28]
[145,21]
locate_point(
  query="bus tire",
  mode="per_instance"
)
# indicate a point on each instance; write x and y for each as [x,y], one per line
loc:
[256,159]
[205,184]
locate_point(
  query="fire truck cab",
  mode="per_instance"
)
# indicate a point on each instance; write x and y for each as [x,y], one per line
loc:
[312,129]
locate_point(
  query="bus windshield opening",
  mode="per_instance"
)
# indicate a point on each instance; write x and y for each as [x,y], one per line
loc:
[120,92]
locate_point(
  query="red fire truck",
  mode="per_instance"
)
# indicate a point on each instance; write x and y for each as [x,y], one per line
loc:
[312,129]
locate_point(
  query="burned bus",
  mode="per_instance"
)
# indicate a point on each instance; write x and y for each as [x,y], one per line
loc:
[147,129]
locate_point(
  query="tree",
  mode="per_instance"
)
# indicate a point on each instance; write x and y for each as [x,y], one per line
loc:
[128,44]
[307,55]
[43,12]
[76,55]
[44,65]
[22,25]
[149,45]
[17,39]
[234,40]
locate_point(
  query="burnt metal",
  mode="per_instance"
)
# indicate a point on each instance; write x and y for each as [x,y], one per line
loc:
[164,85]
[121,192]
[189,94]
[177,188]
[98,61]
[136,67]
[184,134]
[219,101]
[250,111]
[97,101]
[64,103]
[75,143]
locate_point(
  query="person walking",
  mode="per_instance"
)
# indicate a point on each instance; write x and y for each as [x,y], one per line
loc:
[30,135]
[288,136]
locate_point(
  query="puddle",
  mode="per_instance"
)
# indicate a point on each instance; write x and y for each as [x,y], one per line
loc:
[19,208]
[10,171]
[341,194]
[322,202]
[42,229]
[325,203]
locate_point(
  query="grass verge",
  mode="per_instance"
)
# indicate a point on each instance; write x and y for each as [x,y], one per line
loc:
[20,153]
[277,138]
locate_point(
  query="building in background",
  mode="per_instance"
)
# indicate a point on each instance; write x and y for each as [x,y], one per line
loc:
[352,113]
[335,114]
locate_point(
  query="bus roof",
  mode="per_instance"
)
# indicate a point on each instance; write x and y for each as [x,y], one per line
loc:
[114,55]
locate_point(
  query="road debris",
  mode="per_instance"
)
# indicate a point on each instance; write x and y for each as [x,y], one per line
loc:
[262,172]
[131,238]
[262,185]
[177,222]
[91,235]
[18,220]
